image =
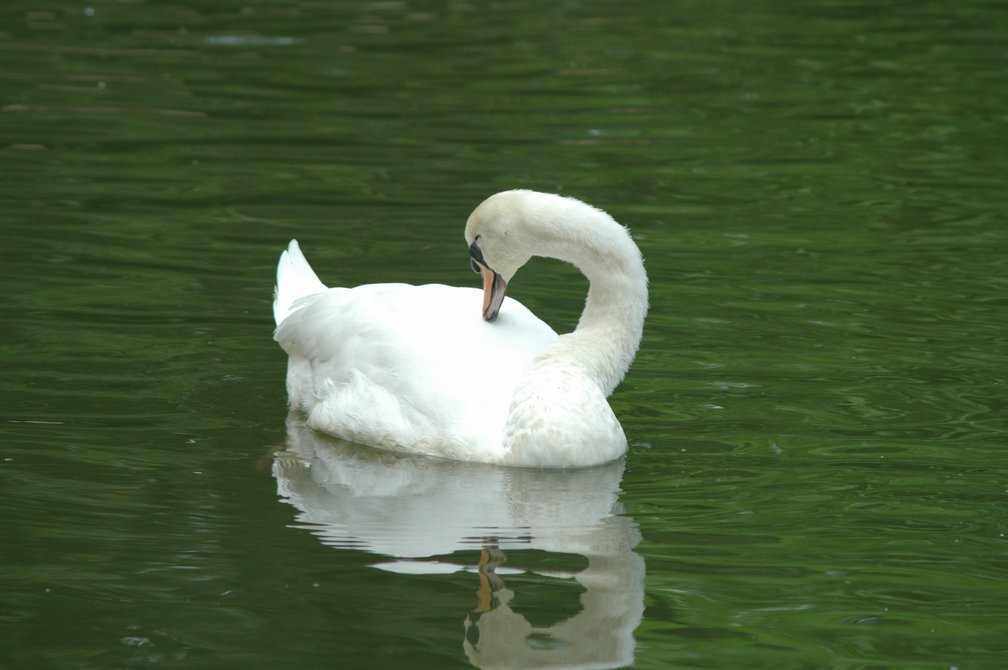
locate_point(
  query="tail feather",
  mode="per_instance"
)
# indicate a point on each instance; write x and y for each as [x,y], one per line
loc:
[295,279]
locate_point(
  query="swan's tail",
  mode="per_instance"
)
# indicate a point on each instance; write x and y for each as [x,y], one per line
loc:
[295,279]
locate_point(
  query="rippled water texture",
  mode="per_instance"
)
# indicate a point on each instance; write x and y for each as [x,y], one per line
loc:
[817,475]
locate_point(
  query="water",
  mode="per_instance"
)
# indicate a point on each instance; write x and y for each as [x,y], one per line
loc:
[817,476]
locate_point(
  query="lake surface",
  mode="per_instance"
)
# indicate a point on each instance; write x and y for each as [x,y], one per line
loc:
[818,474]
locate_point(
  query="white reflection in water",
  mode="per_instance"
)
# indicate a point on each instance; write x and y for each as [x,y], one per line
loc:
[411,509]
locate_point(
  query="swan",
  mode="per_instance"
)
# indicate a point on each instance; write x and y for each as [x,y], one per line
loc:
[424,370]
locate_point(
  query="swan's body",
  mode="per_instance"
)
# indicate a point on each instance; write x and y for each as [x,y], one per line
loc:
[415,368]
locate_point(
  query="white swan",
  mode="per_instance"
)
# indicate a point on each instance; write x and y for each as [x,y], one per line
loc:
[415,368]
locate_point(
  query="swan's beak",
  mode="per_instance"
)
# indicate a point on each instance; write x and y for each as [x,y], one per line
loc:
[494,288]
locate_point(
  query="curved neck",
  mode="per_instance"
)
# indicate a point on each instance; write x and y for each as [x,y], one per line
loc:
[609,330]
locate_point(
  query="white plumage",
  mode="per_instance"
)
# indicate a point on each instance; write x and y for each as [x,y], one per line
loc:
[419,369]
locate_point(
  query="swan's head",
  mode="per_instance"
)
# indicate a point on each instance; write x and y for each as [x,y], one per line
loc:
[498,237]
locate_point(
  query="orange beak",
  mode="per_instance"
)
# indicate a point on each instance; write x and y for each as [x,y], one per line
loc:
[494,288]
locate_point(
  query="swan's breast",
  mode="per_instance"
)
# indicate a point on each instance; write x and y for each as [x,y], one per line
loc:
[559,417]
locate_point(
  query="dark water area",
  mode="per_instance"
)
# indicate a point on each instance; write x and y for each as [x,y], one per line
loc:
[817,477]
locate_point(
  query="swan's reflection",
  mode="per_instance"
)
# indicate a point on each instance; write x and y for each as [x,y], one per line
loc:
[409,510]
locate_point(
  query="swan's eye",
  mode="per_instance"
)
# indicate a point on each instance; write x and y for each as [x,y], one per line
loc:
[476,255]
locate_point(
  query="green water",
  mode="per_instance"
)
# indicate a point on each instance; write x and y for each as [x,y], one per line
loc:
[818,475]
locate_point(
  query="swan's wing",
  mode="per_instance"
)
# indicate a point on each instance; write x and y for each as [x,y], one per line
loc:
[391,364]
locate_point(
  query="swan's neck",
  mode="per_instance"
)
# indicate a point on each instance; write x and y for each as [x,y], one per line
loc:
[609,331]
